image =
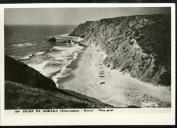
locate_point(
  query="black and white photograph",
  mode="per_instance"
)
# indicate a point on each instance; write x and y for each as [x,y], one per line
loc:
[88,58]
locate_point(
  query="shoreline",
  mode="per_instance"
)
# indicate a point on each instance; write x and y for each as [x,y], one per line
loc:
[73,65]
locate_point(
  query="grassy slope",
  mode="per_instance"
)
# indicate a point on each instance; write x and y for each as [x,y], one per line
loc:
[19,96]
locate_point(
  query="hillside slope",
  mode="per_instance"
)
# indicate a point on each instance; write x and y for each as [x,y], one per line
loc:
[138,45]
[26,88]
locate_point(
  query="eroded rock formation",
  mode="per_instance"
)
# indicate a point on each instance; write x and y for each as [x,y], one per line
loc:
[139,45]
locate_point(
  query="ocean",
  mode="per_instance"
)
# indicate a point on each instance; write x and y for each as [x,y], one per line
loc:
[30,45]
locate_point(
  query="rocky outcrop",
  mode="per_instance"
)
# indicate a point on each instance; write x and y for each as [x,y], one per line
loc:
[26,88]
[139,45]
[52,39]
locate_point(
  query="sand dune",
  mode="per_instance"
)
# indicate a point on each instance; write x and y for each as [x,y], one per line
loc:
[92,78]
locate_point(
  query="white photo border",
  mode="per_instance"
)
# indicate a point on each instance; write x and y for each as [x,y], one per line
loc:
[129,116]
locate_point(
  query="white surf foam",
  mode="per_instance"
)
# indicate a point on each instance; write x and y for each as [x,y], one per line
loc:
[66,36]
[54,63]
[26,57]
[40,53]
[24,45]
[64,70]
[39,67]
[60,48]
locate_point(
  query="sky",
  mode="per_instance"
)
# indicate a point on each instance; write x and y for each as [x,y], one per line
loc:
[71,16]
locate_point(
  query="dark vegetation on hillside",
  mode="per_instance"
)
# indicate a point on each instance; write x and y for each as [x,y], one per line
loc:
[18,72]
[139,45]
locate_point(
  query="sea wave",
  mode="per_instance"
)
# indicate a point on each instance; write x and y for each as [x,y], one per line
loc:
[68,55]
[65,71]
[24,45]
[31,55]
[26,57]
[60,48]
[39,66]
[66,36]
[53,63]
[40,53]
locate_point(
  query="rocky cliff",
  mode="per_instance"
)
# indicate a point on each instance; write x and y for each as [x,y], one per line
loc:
[138,45]
[26,88]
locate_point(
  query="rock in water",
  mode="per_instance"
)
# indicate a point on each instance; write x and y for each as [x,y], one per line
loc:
[139,45]
[53,39]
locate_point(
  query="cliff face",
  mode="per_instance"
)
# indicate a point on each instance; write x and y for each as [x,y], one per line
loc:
[26,88]
[138,45]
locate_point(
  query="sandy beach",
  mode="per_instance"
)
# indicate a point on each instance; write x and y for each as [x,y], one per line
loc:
[93,79]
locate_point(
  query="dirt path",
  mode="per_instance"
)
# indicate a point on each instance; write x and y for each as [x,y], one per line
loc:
[92,78]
